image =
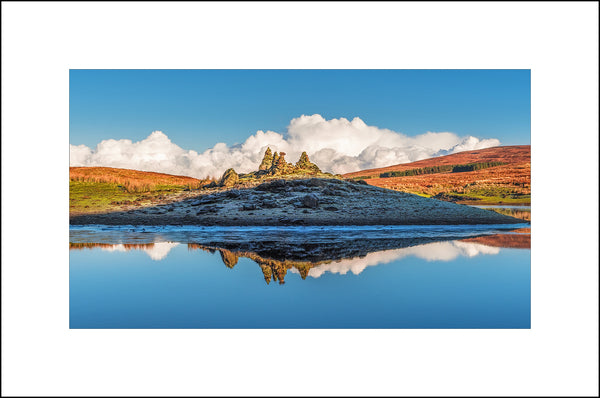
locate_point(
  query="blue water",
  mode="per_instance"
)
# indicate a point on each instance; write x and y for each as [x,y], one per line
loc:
[450,284]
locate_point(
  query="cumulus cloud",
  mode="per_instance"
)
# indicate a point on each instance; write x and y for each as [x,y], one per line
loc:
[156,252]
[336,145]
[436,251]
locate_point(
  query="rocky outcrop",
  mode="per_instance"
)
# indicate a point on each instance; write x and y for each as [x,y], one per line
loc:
[304,164]
[267,161]
[272,164]
[310,200]
[281,167]
[229,178]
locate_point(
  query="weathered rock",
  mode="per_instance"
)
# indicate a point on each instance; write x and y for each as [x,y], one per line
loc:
[267,160]
[316,182]
[303,161]
[229,178]
[208,209]
[280,166]
[232,193]
[332,192]
[304,165]
[310,200]
[269,204]
[248,207]
[272,186]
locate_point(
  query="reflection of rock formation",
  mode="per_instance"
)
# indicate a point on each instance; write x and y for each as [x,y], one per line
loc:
[156,251]
[276,270]
[325,251]
[229,258]
[273,270]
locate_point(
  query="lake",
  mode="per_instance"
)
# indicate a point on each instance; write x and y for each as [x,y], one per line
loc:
[300,277]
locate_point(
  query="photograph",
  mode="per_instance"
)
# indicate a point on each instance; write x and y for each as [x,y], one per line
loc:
[299,199]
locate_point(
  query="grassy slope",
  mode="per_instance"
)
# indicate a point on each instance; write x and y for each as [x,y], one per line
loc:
[105,189]
[506,184]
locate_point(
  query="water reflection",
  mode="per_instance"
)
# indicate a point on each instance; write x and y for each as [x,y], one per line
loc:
[156,251]
[275,267]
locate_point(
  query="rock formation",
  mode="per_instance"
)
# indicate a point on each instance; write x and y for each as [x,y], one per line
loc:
[229,178]
[267,161]
[272,164]
[275,159]
[305,164]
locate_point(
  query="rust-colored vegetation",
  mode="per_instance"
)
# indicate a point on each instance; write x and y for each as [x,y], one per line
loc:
[513,241]
[105,189]
[507,183]
[133,180]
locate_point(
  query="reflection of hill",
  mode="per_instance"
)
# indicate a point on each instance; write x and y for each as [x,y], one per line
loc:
[156,251]
[514,241]
[126,246]
[279,251]
[312,249]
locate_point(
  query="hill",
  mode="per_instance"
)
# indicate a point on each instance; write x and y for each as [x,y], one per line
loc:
[499,175]
[102,189]
[517,154]
[132,180]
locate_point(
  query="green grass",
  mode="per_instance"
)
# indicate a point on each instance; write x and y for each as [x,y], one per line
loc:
[489,198]
[99,197]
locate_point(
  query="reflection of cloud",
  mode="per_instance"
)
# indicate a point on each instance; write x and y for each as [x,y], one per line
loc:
[437,251]
[335,145]
[156,251]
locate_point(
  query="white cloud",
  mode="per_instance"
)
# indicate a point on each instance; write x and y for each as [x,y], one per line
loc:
[336,145]
[436,251]
[157,251]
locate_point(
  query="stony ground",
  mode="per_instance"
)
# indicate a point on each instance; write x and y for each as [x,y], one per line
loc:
[312,201]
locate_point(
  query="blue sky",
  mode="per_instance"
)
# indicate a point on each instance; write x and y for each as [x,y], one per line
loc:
[199,108]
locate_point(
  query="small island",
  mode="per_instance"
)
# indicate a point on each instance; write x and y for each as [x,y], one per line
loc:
[277,193]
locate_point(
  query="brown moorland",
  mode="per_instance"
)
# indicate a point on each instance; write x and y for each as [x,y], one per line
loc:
[132,180]
[507,183]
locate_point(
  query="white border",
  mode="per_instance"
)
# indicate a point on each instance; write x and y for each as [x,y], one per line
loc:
[41,41]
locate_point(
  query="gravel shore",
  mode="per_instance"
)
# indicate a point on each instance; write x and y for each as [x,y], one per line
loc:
[312,201]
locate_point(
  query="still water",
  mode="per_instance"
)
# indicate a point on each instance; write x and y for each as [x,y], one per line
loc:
[299,277]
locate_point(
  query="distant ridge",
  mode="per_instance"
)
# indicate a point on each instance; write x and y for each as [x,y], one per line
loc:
[498,175]
[514,154]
